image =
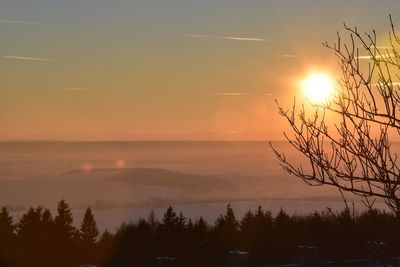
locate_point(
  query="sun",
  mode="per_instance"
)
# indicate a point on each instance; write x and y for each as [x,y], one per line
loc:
[318,87]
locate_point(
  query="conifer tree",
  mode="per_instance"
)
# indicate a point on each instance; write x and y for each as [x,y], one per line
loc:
[7,237]
[88,232]
[63,221]
[170,219]
[33,239]
[65,234]
[30,224]
[7,226]
[225,234]
[228,220]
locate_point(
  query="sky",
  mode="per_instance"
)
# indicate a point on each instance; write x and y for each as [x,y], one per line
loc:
[164,69]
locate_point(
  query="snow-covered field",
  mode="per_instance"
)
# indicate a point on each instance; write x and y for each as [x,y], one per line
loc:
[125,180]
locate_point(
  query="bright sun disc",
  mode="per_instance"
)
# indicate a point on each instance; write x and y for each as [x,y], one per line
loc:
[318,87]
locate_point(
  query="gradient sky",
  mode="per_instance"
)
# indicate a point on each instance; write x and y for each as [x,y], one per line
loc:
[164,69]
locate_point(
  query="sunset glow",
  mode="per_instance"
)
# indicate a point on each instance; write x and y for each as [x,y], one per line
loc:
[199,133]
[318,87]
[125,71]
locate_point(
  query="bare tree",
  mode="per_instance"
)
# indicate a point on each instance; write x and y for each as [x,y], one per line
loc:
[353,151]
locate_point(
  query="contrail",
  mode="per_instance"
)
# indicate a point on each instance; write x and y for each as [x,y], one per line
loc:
[234,38]
[26,58]
[290,56]
[382,56]
[20,22]
[226,37]
[389,83]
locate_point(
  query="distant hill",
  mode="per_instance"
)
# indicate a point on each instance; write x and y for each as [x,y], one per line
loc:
[159,177]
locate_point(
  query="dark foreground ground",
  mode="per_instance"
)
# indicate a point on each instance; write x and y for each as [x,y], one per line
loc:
[40,238]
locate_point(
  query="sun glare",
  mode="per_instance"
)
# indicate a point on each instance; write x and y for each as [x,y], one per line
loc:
[318,87]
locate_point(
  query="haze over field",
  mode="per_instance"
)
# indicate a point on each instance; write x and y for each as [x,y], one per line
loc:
[82,172]
[141,172]
[134,105]
[125,180]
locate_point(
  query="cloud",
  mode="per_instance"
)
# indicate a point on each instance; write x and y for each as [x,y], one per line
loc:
[269,94]
[290,56]
[7,21]
[377,46]
[26,58]
[382,56]
[226,37]
[381,84]
[235,38]
[198,36]
[224,94]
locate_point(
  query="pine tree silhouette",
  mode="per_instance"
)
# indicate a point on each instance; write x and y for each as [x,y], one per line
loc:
[88,232]
[7,238]
[34,238]
[170,219]
[7,226]
[65,234]
[63,221]
[225,235]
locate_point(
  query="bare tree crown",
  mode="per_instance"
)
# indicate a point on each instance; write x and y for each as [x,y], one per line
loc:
[353,152]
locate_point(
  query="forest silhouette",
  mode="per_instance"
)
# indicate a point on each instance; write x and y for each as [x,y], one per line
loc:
[39,239]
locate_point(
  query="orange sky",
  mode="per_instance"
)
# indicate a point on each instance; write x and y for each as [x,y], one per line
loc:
[135,70]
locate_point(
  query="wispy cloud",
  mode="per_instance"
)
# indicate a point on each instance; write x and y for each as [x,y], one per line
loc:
[382,56]
[236,38]
[26,58]
[8,21]
[269,94]
[226,37]
[224,94]
[378,46]
[290,56]
[382,84]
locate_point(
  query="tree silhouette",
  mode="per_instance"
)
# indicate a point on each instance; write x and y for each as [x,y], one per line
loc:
[338,235]
[65,234]
[34,234]
[170,219]
[7,237]
[105,248]
[88,232]
[347,141]
[169,228]
[257,233]
[225,235]
[88,237]
[7,226]
[63,221]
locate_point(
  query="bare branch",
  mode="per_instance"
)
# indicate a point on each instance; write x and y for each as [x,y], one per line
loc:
[354,154]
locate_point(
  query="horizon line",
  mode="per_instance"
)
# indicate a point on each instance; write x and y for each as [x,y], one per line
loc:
[134,140]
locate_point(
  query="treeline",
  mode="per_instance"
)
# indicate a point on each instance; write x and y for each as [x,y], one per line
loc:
[39,239]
